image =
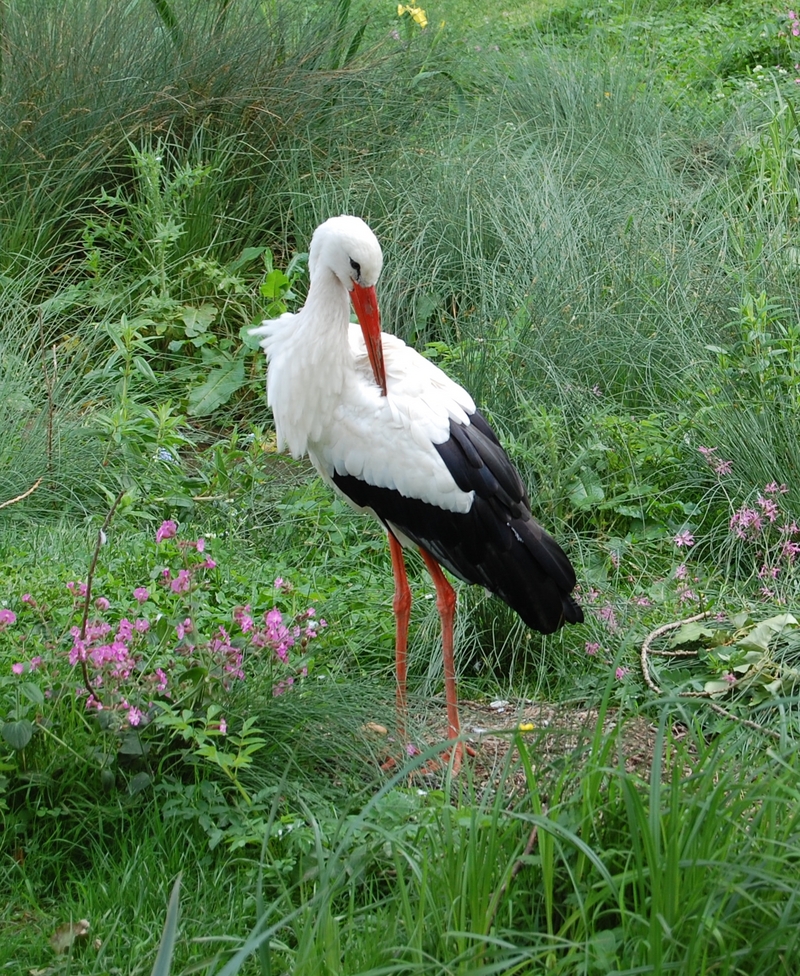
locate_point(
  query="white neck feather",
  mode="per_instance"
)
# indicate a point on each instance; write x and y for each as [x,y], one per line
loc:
[310,361]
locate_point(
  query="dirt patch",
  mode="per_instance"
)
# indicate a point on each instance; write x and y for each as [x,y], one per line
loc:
[552,733]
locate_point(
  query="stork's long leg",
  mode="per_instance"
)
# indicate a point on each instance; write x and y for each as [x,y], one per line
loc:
[402,612]
[446,605]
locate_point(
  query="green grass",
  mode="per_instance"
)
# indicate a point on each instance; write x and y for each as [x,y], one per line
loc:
[591,223]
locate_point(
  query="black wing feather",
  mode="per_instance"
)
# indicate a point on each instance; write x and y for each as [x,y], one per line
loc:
[497,543]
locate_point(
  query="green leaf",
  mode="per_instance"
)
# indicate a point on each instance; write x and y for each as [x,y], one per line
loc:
[691,634]
[17,734]
[275,284]
[139,782]
[252,342]
[248,254]
[163,963]
[197,320]
[587,491]
[132,745]
[32,692]
[763,633]
[144,369]
[220,386]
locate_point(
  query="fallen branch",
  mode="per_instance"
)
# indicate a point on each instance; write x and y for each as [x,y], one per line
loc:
[12,501]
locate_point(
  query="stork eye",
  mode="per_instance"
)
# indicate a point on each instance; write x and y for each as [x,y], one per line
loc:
[356,267]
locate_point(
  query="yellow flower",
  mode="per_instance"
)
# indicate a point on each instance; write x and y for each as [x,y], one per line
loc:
[526,726]
[416,13]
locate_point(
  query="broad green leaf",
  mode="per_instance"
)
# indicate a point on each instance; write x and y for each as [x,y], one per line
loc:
[197,320]
[587,491]
[139,782]
[252,342]
[220,386]
[17,734]
[691,634]
[32,692]
[132,745]
[763,633]
[274,285]
[248,254]
[716,687]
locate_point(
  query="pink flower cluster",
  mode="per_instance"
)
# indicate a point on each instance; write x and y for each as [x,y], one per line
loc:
[747,523]
[277,637]
[720,467]
[122,666]
[764,525]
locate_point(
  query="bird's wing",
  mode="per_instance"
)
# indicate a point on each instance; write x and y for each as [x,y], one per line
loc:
[390,441]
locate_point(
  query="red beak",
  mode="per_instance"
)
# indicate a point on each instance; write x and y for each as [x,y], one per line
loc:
[365,302]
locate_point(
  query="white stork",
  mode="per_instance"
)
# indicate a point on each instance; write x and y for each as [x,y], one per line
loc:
[388,430]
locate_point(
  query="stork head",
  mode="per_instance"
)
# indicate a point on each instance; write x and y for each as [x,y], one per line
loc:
[347,248]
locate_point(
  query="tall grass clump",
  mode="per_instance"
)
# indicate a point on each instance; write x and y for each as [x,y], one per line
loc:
[685,866]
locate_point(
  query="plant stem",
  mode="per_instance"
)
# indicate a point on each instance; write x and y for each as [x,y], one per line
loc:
[101,538]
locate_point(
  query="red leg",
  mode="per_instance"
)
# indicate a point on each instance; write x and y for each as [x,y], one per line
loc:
[402,612]
[446,605]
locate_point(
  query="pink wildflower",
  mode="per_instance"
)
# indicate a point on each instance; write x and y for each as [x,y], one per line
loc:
[608,616]
[241,616]
[141,594]
[729,677]
[769,507]
[592,648]
[27,598]
[181,582]
[746,523]
[200,545]
[223,727]
[102,603]
[141,625]
[18,667]
[7,617]
[723,467]
[184,628]
[684,538]
[167,530]
[620,673]
[681,572]
[78,652]
[134,716]
[790,550]
[124,630]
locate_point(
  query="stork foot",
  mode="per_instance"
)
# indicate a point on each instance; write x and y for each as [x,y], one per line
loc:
[452,757]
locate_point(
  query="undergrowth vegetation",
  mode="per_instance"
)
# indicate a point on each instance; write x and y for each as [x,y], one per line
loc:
[590,219]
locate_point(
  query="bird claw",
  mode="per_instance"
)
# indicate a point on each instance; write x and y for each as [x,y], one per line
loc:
[451,758]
